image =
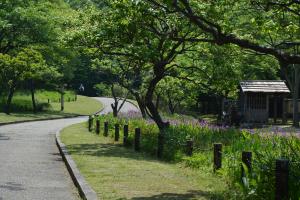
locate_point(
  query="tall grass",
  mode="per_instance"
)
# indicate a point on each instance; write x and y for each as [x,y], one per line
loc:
[266,146]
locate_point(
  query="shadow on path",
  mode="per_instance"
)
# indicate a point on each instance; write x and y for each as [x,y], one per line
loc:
[12,186]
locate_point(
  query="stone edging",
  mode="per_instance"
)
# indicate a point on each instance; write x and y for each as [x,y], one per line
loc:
[85,191]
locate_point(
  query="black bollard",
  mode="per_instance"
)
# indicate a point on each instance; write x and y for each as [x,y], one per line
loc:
[137,139]
[90,123]
[97,126]
[217,156]
[281,179]
[125,137]
[117,132]
[105,129]
[189,147]
[246,160]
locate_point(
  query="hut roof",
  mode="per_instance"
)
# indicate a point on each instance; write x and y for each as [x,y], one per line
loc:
[266,86]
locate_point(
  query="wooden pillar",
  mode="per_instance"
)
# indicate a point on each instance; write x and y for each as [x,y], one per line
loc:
[137,139]
[105,129]
[245,108]
[117,132]
[125,137]
[275,109]
[284,110]
[217,156]
[281,179]
[189,147]
[90,123]
[246,160]
[97,126]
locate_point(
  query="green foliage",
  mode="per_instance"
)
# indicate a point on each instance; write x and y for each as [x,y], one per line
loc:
[266,146]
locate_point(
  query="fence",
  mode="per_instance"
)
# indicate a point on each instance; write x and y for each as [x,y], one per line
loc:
[281,165]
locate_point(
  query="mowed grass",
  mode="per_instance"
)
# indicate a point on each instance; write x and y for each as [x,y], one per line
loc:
[115,172]
[83,106]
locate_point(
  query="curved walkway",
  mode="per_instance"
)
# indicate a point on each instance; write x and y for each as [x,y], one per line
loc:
[31,167]
[107,105]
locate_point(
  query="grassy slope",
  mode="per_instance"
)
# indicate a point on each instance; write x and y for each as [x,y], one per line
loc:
[116,172]
[83,106]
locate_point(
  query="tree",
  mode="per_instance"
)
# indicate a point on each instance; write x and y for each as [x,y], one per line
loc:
[139,33]
[265,26]
[27,64]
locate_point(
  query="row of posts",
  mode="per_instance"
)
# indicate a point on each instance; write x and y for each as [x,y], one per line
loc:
[137,135]
[281,168]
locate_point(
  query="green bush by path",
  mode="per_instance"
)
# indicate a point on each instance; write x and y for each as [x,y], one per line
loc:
[266,146]
[116,172]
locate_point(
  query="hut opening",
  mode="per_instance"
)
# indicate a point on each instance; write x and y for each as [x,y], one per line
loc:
[263,99]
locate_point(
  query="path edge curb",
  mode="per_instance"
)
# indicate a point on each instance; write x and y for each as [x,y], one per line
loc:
[84,189]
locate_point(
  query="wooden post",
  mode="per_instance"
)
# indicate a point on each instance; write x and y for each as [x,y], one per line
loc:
[247,161]
[117,132]
[137,138]
[97,126]
[90,123]
[189,147]
[275,109]
[48,100]
[160,145]
[217,156]
[105,129]
[125,138]
[281,179]
[284,111]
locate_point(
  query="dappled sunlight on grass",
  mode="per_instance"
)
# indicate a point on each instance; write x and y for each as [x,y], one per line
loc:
[116,172]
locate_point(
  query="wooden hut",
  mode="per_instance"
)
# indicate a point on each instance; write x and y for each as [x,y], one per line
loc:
[260,100]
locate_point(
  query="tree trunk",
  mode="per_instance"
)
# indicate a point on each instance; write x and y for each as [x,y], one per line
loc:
[114,107]
[295,97]
[141,104]
[157,102]
[33,96]
[9,99]
[154,114]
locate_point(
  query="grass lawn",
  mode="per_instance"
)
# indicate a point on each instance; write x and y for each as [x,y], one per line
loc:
[115,172]
[83,106]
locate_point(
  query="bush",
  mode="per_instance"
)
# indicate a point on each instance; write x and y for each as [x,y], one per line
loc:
[266,146]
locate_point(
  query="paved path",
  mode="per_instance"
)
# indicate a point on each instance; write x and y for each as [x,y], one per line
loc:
[107,105]
[31,167]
